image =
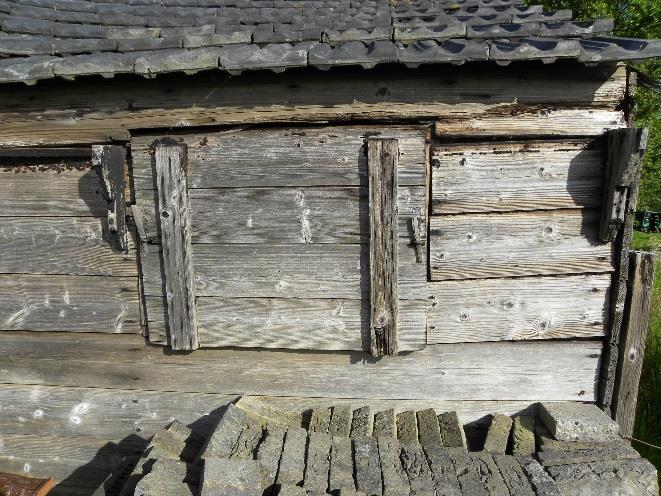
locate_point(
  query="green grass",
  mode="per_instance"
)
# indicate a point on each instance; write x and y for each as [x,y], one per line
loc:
[648,411]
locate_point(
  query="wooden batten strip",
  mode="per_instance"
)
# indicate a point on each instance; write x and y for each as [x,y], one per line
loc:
[382,157]
[174,209]
[632,343]
[110,163]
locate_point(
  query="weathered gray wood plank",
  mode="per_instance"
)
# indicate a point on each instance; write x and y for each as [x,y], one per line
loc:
[69,303]
[534,371]
[110,163]
[296,323]
[479,246]
[176,247]
[521,308]
[382,157]
[62,245]
[511,176]
[62,190]
[325,156]
[632,346]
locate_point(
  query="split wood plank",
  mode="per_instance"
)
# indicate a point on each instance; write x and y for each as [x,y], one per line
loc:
[553,242]
[99,111]
[382,156]
[530,175]
[533,371]
[632,346]
[295,323]
[69,303]
[63,245]
[62,190]
[285,157]
[518,309]
[110,162]
[177,251]
[626,148]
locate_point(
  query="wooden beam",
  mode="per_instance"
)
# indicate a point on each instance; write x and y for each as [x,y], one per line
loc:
[382,155]
[170,160]
[625,152]
[110,163]
[632,343]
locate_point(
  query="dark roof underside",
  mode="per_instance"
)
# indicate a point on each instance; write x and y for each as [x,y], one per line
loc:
[41,39]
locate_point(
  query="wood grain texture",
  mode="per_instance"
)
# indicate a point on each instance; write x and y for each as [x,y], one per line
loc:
[626,148]
[382,157]
[69,303]
[516,309]
[292,156]
[634,337]
[532,371]
[530,175]
[62,245]
[176,247]
[110,163]
[61,190]
[294,323]
[479,246]
[102,110]
[286,271]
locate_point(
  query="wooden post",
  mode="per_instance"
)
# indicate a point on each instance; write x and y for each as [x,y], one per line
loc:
[382,155]
[110,163]
[634,336]
[625,151]
[174,215]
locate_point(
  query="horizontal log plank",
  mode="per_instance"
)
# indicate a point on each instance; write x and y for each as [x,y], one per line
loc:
[63,245]
[299,156]
[287,271]
[293,323]
[516,309]
[56,191]
[516,176]
[69,303]
[479,246]
[102,110]
[285,215]
[533,371]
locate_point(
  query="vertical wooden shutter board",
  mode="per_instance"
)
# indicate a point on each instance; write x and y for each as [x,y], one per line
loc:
[170,162]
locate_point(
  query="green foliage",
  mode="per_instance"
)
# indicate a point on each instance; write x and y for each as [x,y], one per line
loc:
[633,19]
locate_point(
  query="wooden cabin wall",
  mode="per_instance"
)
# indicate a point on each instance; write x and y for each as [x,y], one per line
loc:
[60,268]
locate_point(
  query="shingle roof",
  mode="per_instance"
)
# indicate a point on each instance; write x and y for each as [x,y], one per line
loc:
[41,39]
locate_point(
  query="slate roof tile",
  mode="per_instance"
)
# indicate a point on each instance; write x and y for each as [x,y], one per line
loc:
[455,51]
[367,55]
[87,45]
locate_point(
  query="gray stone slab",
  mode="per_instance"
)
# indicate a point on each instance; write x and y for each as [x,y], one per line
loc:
[291,490]
[268,455]
[341,465]
[320,420]
[317,462]
[498,434]
[362,422]
[515,479]
[292,461]
[222,441]
[417,470]
[340,424]
[452,432]
[540,481]
[407,427]
[523,436]
[607,478]
[367,465]
[442,470]
[429,431]
[605,453]
[176,442]
[223,477]
[545,442]
[384,424]
[467,475]
[572,421]
[166,477]
[268,413]
[395,480]
[248,442]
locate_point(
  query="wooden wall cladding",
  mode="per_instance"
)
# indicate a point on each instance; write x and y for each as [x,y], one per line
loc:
[280,233]
[514,249]
[60,269]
